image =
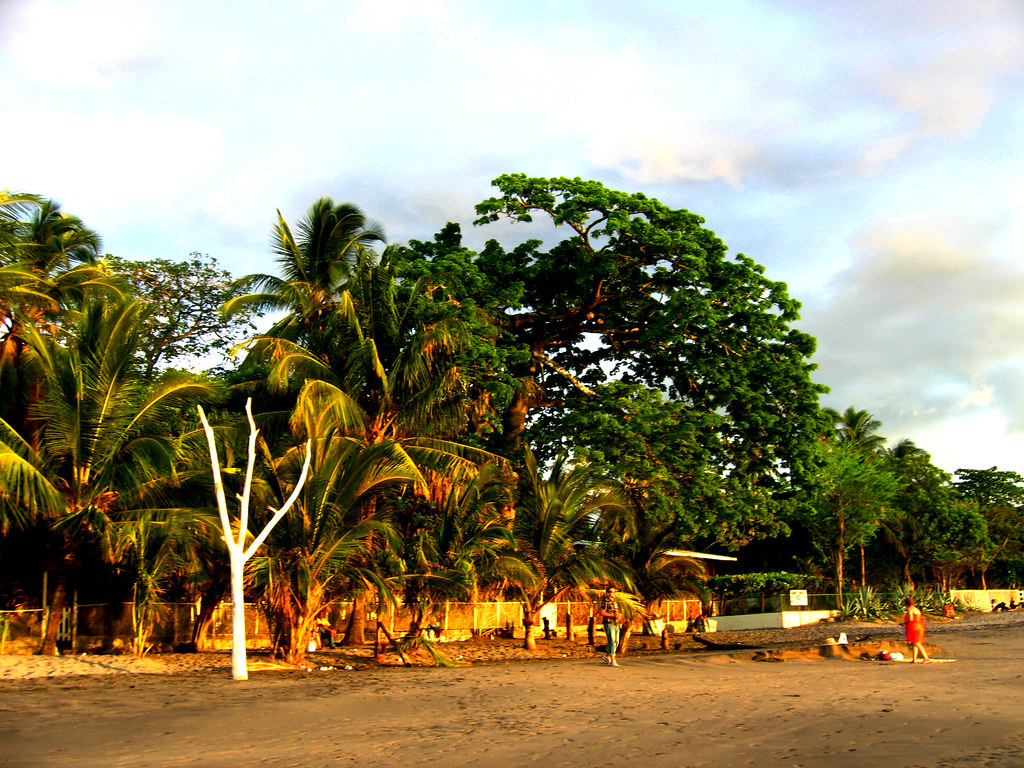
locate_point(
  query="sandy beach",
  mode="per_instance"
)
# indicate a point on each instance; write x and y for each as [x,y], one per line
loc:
[685,707]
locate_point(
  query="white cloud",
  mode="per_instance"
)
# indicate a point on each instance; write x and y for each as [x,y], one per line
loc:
[154,159]
[928,323]
[78,44]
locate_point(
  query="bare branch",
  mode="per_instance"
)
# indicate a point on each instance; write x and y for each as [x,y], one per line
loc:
[559,369]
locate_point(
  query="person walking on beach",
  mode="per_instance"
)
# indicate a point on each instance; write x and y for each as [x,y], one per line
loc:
[913,626]
[609,610]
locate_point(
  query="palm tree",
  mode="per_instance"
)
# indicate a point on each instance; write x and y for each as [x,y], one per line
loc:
[323,544]
[556,531]
[645,545]
[858,428]
[154,547]
[47,267]
[16,208]
[449,549]
[103,433]
[904,449]
[315,266]
[355,342]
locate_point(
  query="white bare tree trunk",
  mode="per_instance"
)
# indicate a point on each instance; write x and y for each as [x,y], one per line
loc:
[235,536]
[239,669]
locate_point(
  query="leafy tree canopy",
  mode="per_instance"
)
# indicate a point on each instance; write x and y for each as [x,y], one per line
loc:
[636,340]
[639,291]
[991,487]
[185,298]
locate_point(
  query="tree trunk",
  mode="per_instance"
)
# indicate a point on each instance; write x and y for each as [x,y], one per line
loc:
[354,634]
[908,579]
[529,622]
[515,418]
[239,670]
[60,590]
[624,635]
[142,621]
[300,632]
[863,569]
[416,623]
[840,555]
[839,579]
[211,597]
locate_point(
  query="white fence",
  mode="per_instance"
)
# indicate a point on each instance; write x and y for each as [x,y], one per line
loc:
[984,599]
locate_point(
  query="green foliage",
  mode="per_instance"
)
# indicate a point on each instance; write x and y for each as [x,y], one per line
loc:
[991,488]
[102,427]
[857,428]
[928,524]
[866,603]
[667,370]
[185,298]
[556,530]
[47,270]
[999,496]
[655,447]
[844,501]
[769,583]
[452,546]
[315,263]
[645,292]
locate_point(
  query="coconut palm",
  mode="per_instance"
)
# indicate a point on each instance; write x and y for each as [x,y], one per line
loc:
[386,376]
[16,208]
[904,449]
[450,548]
[315,265]
[103,433]
[645,545]
[858,428]
[556,531]
[324,544]
[47,268]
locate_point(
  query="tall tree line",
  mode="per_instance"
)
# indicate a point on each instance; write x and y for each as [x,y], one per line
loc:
[529,423]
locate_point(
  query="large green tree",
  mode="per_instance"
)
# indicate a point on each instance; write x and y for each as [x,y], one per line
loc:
[639,291]
[844,500]
[999,495]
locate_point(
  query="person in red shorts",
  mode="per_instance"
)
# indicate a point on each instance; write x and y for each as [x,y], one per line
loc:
[913,626]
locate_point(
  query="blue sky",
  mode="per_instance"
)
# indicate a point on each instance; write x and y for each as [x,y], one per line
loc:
[868,153]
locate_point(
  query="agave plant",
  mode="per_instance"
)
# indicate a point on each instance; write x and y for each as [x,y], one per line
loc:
[867,603]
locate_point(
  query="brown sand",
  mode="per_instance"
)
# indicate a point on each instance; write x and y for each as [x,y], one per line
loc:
[698,708]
